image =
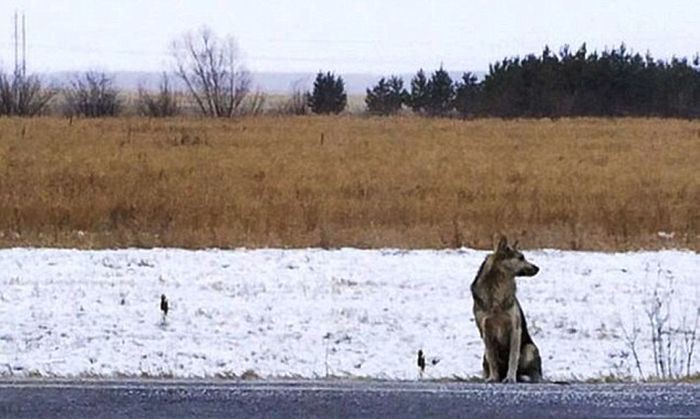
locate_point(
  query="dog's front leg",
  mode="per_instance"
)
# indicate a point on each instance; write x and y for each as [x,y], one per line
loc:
[492,366]
[514,353]
[490,341]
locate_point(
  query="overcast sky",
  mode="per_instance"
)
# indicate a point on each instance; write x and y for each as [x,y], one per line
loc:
[365,36]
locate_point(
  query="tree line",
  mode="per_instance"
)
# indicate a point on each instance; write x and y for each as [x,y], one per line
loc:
[615,82]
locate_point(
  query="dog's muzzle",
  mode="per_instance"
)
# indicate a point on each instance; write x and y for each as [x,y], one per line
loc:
[529,271]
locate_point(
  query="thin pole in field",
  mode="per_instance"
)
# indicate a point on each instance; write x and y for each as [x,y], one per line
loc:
[24,47]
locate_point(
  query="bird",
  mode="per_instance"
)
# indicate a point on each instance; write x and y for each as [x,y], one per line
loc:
[421,361]
[164,305]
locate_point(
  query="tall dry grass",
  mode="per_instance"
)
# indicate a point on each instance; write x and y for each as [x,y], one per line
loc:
[349,181]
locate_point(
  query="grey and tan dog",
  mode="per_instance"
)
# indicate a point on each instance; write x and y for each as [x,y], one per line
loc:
[510,355]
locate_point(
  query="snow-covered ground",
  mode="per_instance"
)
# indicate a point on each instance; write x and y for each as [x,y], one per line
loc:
[317,313]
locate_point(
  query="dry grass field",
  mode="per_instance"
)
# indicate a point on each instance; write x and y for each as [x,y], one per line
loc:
[349,181]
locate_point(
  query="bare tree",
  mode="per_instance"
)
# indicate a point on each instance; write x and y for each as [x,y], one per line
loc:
[295,104]
[92,95]
[212,70]
[160,104]
[22,95]
[254,103]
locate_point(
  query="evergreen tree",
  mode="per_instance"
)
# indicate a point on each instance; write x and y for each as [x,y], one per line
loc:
[328,95]
[419,96]
[386,97]
[441,94]
[467,95]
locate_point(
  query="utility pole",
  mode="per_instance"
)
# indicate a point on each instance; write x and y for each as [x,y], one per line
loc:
[20,66]
[24,48]
[16,75]
[16,45]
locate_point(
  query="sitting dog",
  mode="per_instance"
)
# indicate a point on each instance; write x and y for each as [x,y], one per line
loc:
[510,354]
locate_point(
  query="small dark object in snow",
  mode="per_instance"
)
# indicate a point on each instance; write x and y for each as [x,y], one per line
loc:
[164,305]
[421,360]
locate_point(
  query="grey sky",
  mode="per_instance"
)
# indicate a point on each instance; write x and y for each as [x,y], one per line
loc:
[346,36]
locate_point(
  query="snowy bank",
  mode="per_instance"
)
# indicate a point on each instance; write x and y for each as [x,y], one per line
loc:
[317,313]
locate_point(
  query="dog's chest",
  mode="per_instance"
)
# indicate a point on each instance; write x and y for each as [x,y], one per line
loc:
[490,295]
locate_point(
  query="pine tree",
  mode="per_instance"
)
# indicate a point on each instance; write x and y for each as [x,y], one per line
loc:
[386,97]
[441,93]
[418,98]
[328,95]
[467,95]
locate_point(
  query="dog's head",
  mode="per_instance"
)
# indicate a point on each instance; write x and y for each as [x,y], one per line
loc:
[510,259]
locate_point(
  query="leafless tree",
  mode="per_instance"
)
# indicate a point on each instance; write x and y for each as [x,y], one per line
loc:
[254,103]
[158,104]
[22,95]
[211,69]
[92,95]
[295,104]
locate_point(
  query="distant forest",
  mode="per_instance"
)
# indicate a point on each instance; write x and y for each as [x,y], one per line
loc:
[611,83]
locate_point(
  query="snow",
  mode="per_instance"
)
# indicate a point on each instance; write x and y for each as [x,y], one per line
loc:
[316,313]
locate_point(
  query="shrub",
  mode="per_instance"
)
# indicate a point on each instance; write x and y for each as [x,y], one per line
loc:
[160,104]
[92,95]
[22,95]
[296,103]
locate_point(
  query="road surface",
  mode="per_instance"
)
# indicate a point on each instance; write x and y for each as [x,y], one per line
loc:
[342,399]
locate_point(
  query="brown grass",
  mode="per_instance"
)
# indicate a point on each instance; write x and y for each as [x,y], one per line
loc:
[349,181]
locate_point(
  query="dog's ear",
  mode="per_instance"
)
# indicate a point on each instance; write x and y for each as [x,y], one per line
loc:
[515,245]
[501,245]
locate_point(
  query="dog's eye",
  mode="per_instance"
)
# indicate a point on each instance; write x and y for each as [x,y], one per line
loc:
[521,257]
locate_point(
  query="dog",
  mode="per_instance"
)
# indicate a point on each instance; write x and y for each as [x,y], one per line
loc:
[510,354]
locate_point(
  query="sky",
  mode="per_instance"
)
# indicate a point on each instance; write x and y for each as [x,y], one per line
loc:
[361,36]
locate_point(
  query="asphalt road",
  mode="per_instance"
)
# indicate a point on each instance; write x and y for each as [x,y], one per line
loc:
[342,399]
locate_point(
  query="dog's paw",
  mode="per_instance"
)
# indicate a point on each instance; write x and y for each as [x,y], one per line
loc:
[492,380]
[510,380]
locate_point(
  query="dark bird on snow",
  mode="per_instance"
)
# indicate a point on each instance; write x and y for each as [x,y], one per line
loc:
[164,305]
[421,360]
